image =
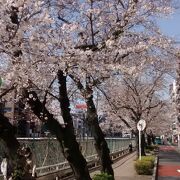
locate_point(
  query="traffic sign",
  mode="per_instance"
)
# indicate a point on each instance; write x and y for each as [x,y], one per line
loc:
[141,125]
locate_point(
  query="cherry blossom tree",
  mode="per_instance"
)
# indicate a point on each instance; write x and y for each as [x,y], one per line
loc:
[112,52]
[64,133]
[22,56]
[88,40]
[138,94]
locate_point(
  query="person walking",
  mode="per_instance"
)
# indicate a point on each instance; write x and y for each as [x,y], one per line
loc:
[130,147]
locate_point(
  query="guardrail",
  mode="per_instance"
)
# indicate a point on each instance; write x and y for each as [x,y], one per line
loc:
[66,173]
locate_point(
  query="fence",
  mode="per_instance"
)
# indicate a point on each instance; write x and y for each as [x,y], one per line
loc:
[48,154]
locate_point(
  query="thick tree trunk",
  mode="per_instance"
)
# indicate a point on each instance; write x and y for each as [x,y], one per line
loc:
[100,142]
[92,122]
[7,134]
[72,150]
[65,135]
[143,144]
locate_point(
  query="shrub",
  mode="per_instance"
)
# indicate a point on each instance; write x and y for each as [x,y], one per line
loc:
[152,147]
[149,158]
[102,176]
[147,151]
[145,165]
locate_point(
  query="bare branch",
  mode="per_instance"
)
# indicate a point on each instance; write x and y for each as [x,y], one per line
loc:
[62,19]
[122,4]
[57,98]
[114,108]
[78,83]
[8,90]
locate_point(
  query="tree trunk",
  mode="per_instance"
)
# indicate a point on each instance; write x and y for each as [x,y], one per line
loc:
[149,140]
[72,149]
[153,139]
[64,134]
[92,122]
[143,144]
[100,142]
[7,134]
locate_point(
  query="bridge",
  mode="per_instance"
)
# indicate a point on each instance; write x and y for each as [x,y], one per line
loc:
[52,165]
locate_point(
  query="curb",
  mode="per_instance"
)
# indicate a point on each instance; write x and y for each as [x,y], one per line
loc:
[155,170]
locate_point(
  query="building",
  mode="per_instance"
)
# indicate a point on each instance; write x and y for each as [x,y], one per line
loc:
[25,122]
[175,116]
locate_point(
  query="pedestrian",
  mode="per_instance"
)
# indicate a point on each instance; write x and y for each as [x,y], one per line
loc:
[130,147]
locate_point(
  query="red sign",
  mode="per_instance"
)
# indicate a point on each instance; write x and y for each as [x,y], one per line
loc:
[81,106]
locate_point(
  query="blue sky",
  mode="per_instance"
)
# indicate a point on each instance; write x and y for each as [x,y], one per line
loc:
[171,25]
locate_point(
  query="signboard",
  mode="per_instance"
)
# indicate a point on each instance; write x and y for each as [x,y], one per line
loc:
[81,106]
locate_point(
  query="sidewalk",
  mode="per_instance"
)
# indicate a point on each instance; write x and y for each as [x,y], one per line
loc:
[124,169]
[169,163]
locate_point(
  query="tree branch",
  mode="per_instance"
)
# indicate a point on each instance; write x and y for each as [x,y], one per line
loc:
[114,108]
[8,90]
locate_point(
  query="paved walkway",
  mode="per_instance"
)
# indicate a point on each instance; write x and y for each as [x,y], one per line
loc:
[169,163]
[124,169]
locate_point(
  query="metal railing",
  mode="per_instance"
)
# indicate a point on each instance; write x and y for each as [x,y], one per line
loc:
[66,173]
[50,159]
[115,145]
